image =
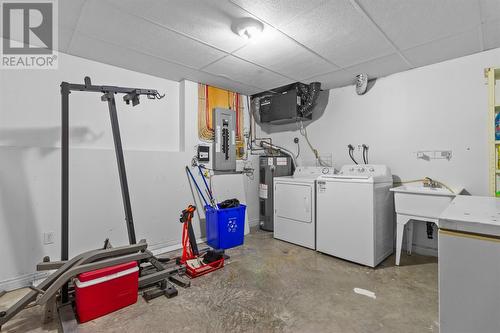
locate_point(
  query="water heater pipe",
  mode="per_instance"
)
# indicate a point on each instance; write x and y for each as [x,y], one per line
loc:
[265,144]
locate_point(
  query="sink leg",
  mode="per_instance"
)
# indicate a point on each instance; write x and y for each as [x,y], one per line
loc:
[400,228]
[409,237]
[399,241]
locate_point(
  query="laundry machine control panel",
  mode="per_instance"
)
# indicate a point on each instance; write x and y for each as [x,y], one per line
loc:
[313,171]
[365,171]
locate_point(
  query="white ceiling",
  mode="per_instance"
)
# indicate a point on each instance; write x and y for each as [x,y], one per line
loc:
[304,40]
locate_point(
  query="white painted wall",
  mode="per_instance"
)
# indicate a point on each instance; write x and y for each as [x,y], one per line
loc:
[442,106]
[158,139]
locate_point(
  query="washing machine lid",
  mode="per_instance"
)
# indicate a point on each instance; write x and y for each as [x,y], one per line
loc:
[361,173]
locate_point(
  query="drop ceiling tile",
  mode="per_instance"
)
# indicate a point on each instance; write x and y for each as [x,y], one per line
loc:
[339,33]
[335,79]
[224,83]
[491,33]
[276,51]
[239,70]
[102,51]
[380,67]
[84,46]
[102,21]
[490,10]
[209,21]
[410,23]
[444,49]
[65,36]
[69,12]
[278,12]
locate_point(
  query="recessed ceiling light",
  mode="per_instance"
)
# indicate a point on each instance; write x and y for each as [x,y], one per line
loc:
[248,27]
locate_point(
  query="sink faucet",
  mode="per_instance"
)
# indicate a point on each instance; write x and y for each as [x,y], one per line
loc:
[428,182]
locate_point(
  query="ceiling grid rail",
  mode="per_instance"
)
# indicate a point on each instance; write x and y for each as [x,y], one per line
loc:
[204,43]
[170,61]
[481,32]
[287,36]
[75,28]
[368,18]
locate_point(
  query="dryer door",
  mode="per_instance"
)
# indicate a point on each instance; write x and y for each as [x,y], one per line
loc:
[294,216]
[293,201]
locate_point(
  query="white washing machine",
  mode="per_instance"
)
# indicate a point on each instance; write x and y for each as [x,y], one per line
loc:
[294,206]
[355,214]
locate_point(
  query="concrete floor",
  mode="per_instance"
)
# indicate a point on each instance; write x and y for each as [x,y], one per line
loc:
[272,286]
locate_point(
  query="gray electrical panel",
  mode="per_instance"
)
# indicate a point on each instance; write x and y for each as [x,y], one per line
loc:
[224,147]
[270,167]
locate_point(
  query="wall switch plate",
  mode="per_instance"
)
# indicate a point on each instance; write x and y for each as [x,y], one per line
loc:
[48,238]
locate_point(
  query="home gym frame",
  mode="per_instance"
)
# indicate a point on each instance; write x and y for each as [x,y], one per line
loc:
[131,94]
[155,276]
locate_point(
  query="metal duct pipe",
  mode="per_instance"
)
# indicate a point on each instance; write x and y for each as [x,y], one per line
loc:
[312,92]
[265,144]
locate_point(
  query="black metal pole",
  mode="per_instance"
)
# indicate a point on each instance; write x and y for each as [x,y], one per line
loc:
[121,166]
[65,178]
[192,238]
[109,92]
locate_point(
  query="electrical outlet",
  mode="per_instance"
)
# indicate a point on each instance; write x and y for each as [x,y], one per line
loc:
[48,238]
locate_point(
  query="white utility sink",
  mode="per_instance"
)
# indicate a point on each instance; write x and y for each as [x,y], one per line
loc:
[422,201]
[418,203]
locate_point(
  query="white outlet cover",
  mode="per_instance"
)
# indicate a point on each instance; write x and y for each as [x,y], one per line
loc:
[48,238]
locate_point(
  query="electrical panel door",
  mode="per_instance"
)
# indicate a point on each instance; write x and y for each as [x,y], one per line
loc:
[224,148]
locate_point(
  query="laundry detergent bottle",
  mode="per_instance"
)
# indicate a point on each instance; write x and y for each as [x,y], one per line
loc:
[497,126]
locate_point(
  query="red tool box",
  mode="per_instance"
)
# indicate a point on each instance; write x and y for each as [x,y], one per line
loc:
[105,290]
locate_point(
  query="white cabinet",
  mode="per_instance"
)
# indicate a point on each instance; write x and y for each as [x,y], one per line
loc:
[469,283]
[469,266]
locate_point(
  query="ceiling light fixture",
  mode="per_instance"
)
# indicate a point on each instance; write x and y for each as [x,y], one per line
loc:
[248,27]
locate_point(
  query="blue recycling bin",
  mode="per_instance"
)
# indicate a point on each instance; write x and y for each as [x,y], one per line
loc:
[225,227]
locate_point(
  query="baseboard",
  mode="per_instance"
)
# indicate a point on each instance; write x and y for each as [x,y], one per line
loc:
[253,222]
[32,278]
[173,246]
[169,247]
[22,281]
[423,250]
[36,277]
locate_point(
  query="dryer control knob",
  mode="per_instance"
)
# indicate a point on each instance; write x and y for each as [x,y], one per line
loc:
[361,169]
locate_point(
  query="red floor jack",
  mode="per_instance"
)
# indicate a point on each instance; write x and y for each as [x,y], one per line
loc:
[196,264]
